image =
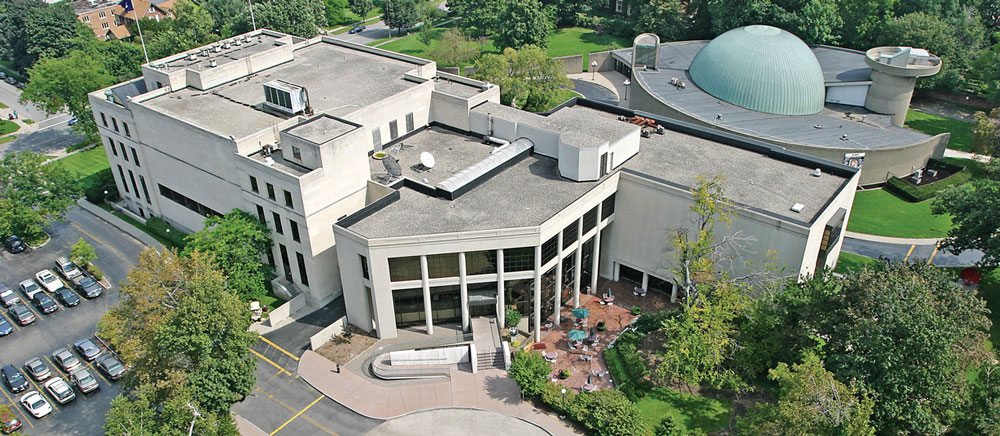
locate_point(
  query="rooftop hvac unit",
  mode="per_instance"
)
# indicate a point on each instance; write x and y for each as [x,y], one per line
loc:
[286,97]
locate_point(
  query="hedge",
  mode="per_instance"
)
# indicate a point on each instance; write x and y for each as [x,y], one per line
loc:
[915,194]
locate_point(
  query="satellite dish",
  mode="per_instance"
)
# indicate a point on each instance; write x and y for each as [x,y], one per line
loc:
[392,166]
[427,159]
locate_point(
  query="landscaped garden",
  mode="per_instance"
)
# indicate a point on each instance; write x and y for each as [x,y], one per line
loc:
[961,131]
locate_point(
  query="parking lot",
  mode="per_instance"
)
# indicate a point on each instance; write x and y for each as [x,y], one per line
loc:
[117,253]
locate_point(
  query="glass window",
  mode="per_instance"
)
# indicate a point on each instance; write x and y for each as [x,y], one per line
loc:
[519,259]
[569,234]
[253,186]
[590,220]
[608,207]
[481,262]
[303,277]
[404,268]
[364,266]
[277,223]
[288,198]
[295,230]
[270,191]
[549,249]
[442,265]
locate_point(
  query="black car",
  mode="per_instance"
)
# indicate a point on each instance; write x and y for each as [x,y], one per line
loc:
[15,381]
[7,296]
[356,29]
[45,303]
[112,367]
[88,286]
[68,297]
[22,314]
[14,244]
[5,327]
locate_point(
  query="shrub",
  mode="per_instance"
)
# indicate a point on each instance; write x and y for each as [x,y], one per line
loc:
[511,318]
[915,194]
[531,372]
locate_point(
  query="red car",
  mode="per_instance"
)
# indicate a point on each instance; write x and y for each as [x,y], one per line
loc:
[9,422]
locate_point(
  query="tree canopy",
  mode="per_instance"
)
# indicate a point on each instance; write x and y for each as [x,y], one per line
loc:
[237,242]
[527,77]
[975,215]
[32,194]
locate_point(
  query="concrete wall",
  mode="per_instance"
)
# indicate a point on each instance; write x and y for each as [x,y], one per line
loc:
[335,328]
[572,64]
[437,356]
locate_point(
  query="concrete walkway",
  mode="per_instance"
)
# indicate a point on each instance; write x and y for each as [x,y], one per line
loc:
[487,390]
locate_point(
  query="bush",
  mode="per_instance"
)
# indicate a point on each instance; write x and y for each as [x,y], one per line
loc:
[159,227]
[531,372]
[511,318]
[915,194]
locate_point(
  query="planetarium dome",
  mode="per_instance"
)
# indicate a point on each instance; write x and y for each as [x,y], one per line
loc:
[761,68]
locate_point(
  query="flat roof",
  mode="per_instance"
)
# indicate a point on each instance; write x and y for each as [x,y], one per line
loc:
[321,129]
[452,153]
[335,76]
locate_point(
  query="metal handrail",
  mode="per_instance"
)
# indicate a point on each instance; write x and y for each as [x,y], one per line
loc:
[386,373]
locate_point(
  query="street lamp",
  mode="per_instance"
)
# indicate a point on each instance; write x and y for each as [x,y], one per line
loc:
[627,83]
[593,70]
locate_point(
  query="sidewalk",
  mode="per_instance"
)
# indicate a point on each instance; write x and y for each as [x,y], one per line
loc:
[487,390]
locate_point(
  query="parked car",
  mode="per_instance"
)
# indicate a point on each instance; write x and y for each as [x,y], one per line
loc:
[60,390]
[356,29]
[15,381]
[36,404]
[45,303]
[5,327]
[30,288]
[7,296]
[48,280]
[84,380]
[87,286]
[111,367]
[68,297]
[87,349]
[37,369]
[67,268]
[8,422]
[14,244]
[22,314]
[65,359]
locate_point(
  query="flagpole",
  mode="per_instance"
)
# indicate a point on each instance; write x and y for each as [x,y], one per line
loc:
[137,26]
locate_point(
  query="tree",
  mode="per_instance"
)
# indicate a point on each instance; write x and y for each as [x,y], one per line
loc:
[524,22]
[810,402]
[527,77]
[454,48]
[32,29]
[531,372]
[237,242]
[362,8]
[663,17]
[32,195]
[301,18]
[82,254]
[399,14]
[183,332]
[986,133]
[909,334]
[63,83]
[975,216]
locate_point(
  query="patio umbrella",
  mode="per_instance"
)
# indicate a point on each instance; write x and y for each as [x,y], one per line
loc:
[576,335]
[581,312]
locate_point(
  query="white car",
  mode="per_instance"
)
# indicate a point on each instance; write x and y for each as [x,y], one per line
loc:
[36,404]
[30,288]
[48,280]
[60,390]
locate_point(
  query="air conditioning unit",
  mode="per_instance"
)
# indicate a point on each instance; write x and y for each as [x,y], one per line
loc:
[285,97]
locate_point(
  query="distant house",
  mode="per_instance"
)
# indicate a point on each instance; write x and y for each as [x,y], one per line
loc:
[108,19]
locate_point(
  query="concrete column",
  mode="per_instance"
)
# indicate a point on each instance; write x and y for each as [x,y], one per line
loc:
[558,284]
[427,295]
[537,309]
[596,268]
[501,306]
[463,291]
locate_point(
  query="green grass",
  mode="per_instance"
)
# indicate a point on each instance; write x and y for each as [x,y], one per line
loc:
[878,212]
[691,412]
[7,126]
[85,163]
[7,139]
[961,131]
[850,262]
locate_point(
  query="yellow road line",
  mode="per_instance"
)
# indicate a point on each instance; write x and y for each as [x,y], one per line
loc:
[908,253]
[16,409]
[932,255]
[306,417]
[41,391]
[297,414]
[269,361]
[279,348]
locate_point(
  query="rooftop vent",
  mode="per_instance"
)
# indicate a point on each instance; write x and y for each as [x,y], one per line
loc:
[797,207]
[817,172]
[286,97]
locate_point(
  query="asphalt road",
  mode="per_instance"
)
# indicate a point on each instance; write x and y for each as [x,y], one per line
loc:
[594,91]
[116,255]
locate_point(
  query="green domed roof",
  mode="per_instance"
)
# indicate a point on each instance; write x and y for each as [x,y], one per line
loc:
[762,68]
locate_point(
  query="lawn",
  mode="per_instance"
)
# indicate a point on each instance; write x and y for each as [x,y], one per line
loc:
[85,163]
[961,131]
[7,126]
[879,212]
[691,412]
[850,262]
